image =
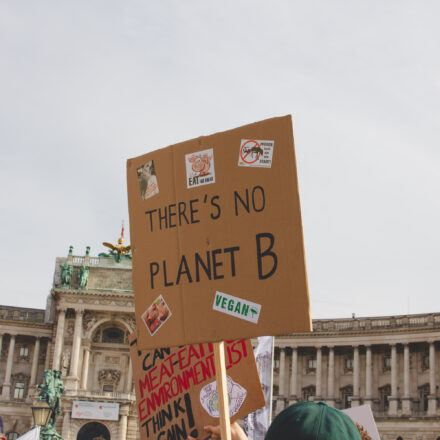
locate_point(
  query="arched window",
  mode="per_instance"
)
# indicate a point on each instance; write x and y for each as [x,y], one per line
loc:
[400,438]
[113,335]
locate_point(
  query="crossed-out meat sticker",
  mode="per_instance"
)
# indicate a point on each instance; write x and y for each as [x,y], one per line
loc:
[255,153]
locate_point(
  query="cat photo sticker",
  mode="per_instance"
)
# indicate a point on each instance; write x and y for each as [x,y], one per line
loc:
[156,315]
[147,180]
[200,168]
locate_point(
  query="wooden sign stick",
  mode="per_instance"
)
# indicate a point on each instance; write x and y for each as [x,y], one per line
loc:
[222,390]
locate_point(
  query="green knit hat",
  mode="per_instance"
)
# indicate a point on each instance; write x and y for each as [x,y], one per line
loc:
[312,421]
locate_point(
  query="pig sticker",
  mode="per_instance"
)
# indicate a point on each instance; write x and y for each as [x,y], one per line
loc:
[200,168]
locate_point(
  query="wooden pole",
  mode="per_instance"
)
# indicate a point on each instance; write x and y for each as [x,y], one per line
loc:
[222,390]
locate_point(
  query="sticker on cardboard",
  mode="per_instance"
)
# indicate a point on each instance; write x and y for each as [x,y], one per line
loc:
[147,180]
[237,307]
[156,315]
[209,397]
[200,168]
[255,153]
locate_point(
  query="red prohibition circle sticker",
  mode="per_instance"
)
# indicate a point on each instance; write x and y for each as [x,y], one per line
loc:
[250,151]
[256,153]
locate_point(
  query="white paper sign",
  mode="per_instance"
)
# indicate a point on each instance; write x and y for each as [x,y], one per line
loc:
[257,423]
[95,410]
[364,416]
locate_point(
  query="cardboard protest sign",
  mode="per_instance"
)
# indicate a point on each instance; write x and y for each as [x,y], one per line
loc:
[217,238]
[176,389]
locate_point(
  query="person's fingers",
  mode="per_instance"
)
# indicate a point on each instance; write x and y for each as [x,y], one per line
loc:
[191,438]
[214,431]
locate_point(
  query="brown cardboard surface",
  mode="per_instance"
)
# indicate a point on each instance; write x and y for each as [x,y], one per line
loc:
[235,226]
[172,383]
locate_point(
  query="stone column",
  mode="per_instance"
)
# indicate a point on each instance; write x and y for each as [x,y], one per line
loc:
[331,377]
[318,373]
[66,424]
[76,345]
[406,398]
[34,367]
[294,377]
[59,338]
[47,360]
[1,345]
[392,410]
[355,398]
[7,383]
[85,368]
[432,398]
[129,383]
[281,380]
[123,422]
[368,376]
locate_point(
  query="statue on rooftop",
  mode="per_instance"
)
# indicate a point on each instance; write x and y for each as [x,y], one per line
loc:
[83,276]
[117,251]
[66,274]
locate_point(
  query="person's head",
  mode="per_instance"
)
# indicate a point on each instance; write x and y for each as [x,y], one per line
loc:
[312,421]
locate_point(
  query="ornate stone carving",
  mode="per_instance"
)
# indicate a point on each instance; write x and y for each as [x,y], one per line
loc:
[130,320]
[109,376]
[65,361]
[70,327]
[89,320]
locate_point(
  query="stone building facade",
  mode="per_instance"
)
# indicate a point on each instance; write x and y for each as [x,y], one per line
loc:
[83,332]
[392,363]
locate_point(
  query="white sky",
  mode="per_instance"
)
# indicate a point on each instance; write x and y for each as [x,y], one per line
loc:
[85,85]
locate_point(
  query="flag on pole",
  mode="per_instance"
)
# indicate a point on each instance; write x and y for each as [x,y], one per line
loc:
[257,423]
[33,434]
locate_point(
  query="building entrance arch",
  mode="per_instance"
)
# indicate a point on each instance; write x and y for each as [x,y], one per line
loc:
[93,431]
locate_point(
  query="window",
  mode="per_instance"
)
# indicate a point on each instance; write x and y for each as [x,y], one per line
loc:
[311,365]
[113,335]
[399,438]
[425,362]
[19,390]
[12,435]
[107,388]
[347,394]
[384,394]
[386,363]
[308,393]
[348,365]
[24,351]
[423,392]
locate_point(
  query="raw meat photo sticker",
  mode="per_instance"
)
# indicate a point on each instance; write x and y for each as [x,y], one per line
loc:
[156,315]
[200,168]
[255,153]
[147,180]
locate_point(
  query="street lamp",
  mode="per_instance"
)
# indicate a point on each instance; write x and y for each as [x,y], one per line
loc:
[41,413]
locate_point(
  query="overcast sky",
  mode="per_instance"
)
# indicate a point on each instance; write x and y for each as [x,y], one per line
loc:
[84,85]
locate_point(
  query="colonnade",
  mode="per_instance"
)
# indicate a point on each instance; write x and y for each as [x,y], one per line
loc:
[293,394]
[6,390]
